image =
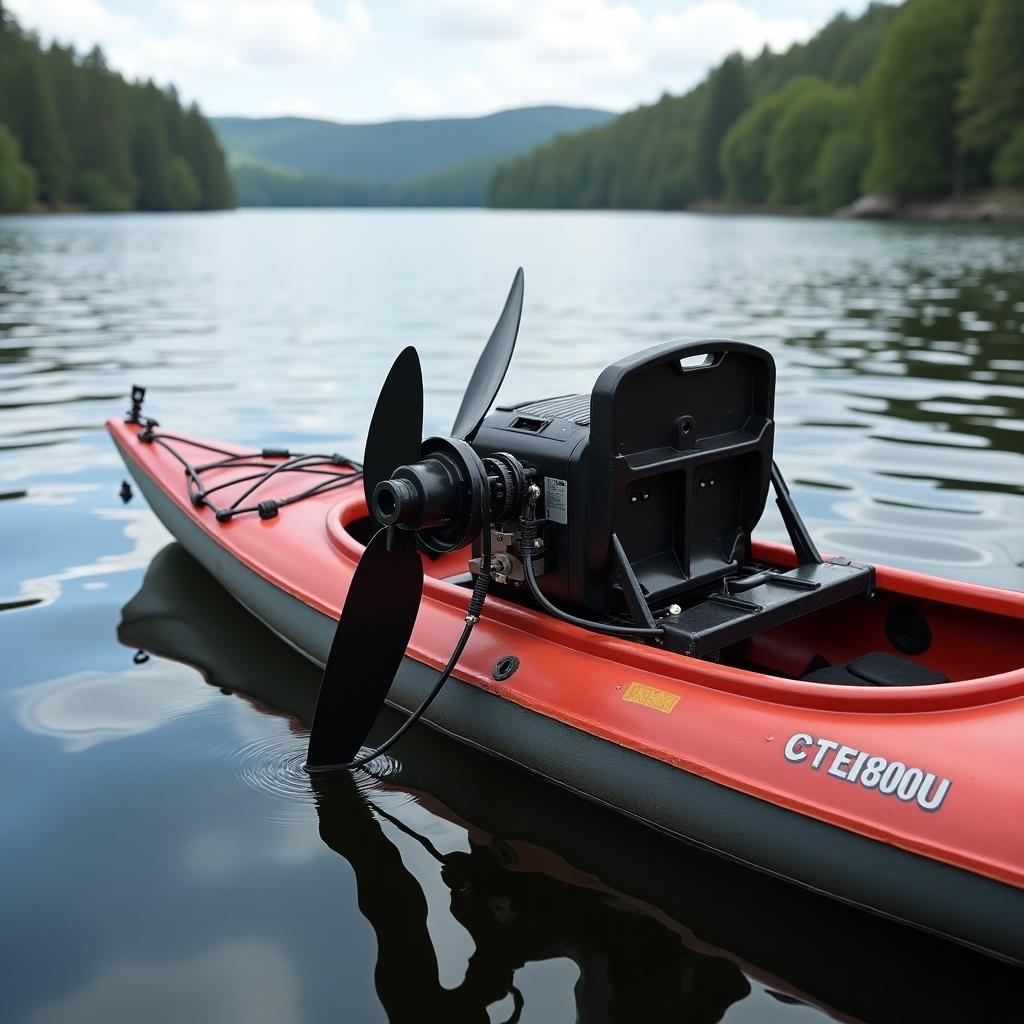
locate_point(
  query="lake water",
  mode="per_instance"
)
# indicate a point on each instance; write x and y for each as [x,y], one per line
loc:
[163,856]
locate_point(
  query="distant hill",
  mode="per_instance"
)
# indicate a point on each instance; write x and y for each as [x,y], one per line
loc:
[287,161]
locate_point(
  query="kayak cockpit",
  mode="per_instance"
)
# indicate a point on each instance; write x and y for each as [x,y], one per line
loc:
[912,631]
[938,630]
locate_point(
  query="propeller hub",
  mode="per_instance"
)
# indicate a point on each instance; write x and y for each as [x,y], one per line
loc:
[419,496]
[394,502]
[441,498]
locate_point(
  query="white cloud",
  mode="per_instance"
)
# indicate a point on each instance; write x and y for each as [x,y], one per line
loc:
[261,32]
[241,979]
[587,30]
[416,97]
[473,19]
[720,27]
[83,22]
[424,57]
[222,38]
[599,53]
[86,708]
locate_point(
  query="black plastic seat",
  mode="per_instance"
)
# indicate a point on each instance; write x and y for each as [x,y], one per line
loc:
[876,669]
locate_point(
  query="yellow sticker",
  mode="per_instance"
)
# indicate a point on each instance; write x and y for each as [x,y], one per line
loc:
[651,697]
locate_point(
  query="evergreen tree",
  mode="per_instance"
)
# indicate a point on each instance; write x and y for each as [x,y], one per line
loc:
[183,191]
[107,149]
[797,140]
[727,98]
[861,52]
[744,151]
[151,153]
[11,46]
[65,81]
[840,168]
[206,160]
[1008,168]
[87,135]
[654,156]
[17,179]
[991,100]
[913,97]
[39,129]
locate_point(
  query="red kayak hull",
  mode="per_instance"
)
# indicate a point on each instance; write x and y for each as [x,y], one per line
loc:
[959,744]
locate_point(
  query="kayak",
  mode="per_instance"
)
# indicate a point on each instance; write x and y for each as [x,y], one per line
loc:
[789,753]
[547,874]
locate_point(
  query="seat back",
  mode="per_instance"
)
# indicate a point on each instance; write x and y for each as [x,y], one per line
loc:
[683,435]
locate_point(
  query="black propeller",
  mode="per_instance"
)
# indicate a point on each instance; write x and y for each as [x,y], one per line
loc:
[491,366]
[432,494]
[367,650]
[396,427]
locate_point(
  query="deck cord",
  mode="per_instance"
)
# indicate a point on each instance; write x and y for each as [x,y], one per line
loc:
[267,509]
[337,471]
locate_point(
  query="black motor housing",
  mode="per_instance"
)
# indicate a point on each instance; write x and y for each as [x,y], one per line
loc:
[672,452]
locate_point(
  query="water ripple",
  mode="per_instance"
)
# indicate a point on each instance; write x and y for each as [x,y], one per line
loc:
[268,775]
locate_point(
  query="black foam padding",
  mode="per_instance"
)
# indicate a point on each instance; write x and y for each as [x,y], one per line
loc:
[877,669]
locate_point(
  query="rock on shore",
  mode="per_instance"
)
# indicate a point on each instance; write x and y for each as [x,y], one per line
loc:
[986,206]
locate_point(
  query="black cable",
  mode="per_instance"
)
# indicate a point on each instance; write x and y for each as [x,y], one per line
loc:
[312,464]
[199,495]
[529,533]
[476,604]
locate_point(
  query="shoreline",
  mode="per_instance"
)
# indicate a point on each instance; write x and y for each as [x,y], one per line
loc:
[992,206]
[995,206]
[1004,206]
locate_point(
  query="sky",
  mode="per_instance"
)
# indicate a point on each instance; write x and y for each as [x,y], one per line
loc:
[360,60]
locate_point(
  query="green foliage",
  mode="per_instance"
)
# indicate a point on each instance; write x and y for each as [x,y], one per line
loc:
[93,139]
[712,142]
[207,162]
[809,117]
[840,168]
[97,192]
[1008,167]
[17,179]
[744,151]
[260,184]
[867,102]
[991,100]
[106,125]
[727,98]
[641,160]
[183,191]
[861,51]
[802,146]
[912,91]
[39,130]
[842,52]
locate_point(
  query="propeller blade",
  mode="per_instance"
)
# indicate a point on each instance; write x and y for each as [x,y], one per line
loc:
[396,427]
[491,366]
[368,647]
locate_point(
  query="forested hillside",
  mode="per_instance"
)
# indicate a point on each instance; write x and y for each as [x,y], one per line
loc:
[297,161]
[395,151]
[258,184]
[922,99]
[73,133]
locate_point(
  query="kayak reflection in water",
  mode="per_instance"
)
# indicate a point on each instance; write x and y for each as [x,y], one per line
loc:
[631,967]
[520,901]
[569,880]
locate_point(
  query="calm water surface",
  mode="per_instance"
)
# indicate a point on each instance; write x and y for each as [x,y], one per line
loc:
[163,856]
